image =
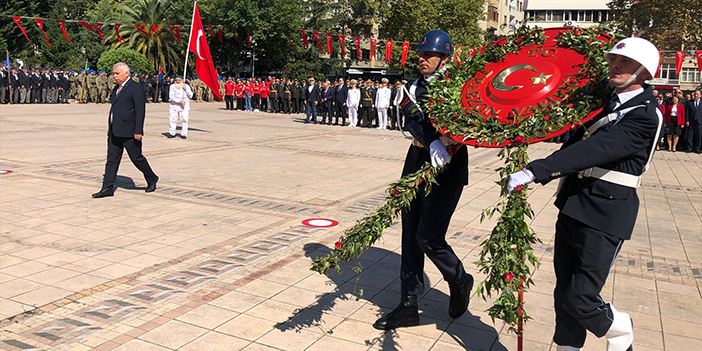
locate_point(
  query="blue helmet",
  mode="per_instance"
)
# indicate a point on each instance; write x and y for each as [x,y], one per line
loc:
[436,41]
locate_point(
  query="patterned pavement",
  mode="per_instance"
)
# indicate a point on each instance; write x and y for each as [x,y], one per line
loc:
[218,258]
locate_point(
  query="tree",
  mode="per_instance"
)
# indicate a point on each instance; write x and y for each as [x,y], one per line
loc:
[136,61]
[669,26]
[158,45]
[410,19]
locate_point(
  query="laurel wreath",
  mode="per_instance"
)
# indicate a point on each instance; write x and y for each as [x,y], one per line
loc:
[507,250]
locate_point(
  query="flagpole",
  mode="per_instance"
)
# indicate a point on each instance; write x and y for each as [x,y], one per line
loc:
[192,23]
[9,82]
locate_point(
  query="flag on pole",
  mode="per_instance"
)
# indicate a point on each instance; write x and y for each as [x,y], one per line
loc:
[357,41]
[341,42]
[203,60]
[119,37]
[388,50]
[7,59]
[405,50]
[17,20]
[679,57]
[698,53]
[305,43]
[40,23]
[374,43]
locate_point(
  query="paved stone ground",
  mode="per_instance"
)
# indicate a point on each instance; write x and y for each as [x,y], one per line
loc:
[217,257]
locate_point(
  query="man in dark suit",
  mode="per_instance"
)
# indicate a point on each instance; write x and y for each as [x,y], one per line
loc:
[311,100]
[25,82]
[327,102]
[340,96]
[597,199]
[693,122]
[15,85]
[125,131]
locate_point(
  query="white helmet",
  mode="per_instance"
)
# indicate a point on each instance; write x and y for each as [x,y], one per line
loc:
[639,50]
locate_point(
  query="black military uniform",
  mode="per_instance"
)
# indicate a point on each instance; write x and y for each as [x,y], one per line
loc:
[66,85]
[367,103]
[273,96]
[3,86]
[36,87]
[596,215]
[286,97]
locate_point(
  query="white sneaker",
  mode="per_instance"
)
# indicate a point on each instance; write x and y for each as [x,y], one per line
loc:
[620,335]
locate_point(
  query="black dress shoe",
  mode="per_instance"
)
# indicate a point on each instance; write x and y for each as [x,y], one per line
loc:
[183,137]
[151,187]
[170,136]
[109,191]
[460,296]
[405,315]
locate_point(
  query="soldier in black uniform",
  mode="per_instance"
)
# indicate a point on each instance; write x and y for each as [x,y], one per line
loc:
[273,96]
[65,83]
[425,222]
[286,96]
[296,91]
[597,199]
[367,103]
[3,85]
[36,86]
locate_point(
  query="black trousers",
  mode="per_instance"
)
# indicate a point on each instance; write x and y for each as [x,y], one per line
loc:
[229,100]
[583,257]
[694,137]
[286,105]
[340,111]
[365,116]
[115,148]
[264,104]
[424,227]
[274,103]
[240,104]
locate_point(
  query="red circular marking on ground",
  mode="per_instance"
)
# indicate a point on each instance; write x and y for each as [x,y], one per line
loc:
[5,171]
[320,223]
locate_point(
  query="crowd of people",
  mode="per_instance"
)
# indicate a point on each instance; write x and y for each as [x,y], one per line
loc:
[44,85]
[683,120]
[364,103]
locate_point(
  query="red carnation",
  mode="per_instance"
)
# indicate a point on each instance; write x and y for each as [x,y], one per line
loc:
[508,277]
[455,115]
[546,118]
[441,100]
[448,80]
[395,192]
[517,123]
[518,188]
[420,181]
[519,139]
[338,244]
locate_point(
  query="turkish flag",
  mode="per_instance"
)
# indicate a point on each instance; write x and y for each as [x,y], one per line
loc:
[472,52]
[139,28]
[219,35]
[357,41]
[40,23]
[658,69]
[329,43]
[171,27]
[374,43]
[209,27]
[17,20]
[305,44]
[679,57]
[405,50]
[203,60]
[62,24]
[698,53]
[388,50]
[178,32]
[316,37]
[154,28]
[341,42]
[119,37]
[98,26]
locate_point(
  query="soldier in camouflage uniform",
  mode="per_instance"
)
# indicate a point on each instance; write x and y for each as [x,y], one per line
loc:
[102,87]
[82,93]
[111,83]
[221,87]
[92,86]
[74,85]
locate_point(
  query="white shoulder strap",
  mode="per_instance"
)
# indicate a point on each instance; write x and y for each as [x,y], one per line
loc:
[413,91]
[614,116]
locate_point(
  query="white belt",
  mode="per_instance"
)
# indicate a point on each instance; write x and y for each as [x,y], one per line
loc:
[620,178]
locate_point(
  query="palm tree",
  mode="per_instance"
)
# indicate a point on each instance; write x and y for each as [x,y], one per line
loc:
[159,47]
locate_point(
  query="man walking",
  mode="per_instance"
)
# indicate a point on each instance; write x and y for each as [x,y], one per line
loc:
[340,109]
[311,101]
[179,96]
[125,131]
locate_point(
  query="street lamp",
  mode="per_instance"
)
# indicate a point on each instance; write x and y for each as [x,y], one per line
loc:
[253,56]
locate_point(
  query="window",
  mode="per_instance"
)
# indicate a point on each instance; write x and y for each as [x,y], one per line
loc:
[540,16]
[689,75]
[505,22]
[567,16]
[557,16]
[493,15]
[588,16]
[668,71]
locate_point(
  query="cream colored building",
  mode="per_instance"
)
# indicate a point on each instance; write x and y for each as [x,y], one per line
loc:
[559,13]
[503,15]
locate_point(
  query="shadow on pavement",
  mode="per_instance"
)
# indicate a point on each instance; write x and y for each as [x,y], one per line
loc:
[471,333]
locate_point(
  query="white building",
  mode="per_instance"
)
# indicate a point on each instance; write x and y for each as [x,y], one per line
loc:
[503,16]
[559,13]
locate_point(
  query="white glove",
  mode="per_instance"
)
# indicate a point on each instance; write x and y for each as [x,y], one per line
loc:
[522,177]
[439,155]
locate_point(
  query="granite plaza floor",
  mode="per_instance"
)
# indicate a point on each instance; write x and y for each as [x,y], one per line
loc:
[218,258]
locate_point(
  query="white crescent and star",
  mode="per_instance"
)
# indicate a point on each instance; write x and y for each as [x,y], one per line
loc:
[197,44]
[499,82]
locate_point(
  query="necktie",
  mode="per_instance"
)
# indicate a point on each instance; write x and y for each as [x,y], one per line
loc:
[697,103]
[118,90]
[611,105]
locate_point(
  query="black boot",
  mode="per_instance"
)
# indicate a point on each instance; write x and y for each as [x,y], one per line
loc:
[460,296]
[405,315]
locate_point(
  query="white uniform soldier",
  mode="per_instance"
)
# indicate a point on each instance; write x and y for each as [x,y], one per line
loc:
[353,98]
[382,103]
[179,94]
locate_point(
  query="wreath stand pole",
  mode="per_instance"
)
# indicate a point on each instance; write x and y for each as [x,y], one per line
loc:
[520,321]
